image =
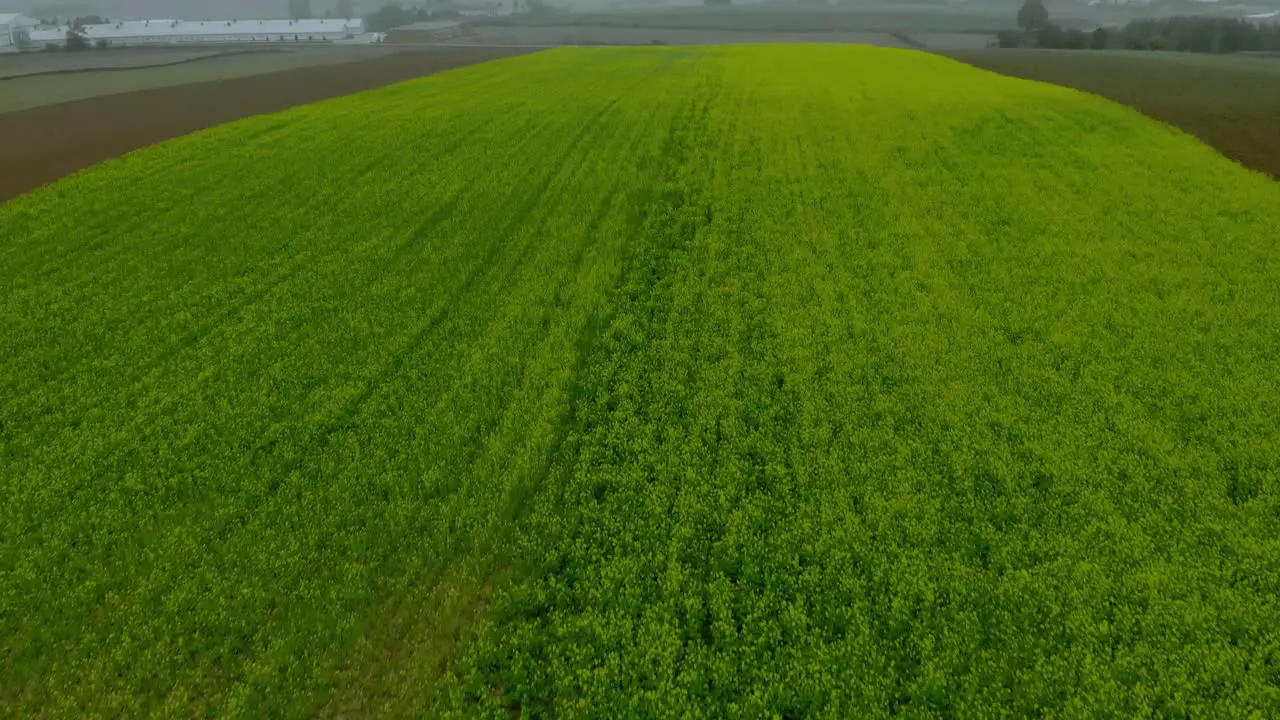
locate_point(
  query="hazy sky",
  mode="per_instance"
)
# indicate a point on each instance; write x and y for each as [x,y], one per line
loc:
[173,8]
[195,9]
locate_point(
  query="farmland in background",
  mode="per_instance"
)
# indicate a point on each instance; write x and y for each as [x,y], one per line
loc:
[41,144]
[1229,102]
[800,381]
[21,88]
[901,17]
[37,63]
[552,35]
[568,34]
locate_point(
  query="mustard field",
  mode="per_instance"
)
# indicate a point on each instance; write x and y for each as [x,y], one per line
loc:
[761,381]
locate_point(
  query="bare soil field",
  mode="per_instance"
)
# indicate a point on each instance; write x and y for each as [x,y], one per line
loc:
[40,63]
[569,34]
[870,18]
[92,74]
[42,144]
[552,35]
[1230,103]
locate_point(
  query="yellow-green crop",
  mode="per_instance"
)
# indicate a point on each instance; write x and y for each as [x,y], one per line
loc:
[742,382]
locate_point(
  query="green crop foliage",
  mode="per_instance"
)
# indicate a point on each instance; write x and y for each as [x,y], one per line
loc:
[742,382]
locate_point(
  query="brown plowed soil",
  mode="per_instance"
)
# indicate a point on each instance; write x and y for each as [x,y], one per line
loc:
[1230,103]
[44,144]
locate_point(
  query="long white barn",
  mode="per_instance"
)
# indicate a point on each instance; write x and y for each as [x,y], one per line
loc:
[15,31]
[169,32]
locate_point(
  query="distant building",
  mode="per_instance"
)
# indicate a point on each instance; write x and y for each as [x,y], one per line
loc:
[173,32]
[15,31]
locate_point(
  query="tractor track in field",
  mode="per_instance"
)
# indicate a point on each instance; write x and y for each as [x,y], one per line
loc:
[41,145]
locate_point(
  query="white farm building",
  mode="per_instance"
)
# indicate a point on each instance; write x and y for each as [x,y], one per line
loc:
[15,31]
[172,32]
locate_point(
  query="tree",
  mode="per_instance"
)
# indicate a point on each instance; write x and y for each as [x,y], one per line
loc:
[1197,34]
[345,10]
[388,16]
[1101,39]
[76,39]
[299,9]
[1033,16]
[446,9]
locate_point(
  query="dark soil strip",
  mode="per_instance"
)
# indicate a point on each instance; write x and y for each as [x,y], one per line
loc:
[907,40]
[118,68]
[1232,106]
[44,144]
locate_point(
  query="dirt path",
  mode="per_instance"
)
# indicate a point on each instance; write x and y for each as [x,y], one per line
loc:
[44,144]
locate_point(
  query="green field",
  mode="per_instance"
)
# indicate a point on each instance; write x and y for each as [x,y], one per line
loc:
[772,381]
[1231,102]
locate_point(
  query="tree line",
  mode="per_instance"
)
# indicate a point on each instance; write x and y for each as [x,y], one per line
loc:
[301,10]
[393,15]
[1185,34]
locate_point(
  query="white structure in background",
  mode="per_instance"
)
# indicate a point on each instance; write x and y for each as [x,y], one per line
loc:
[15,31]
[172,32]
